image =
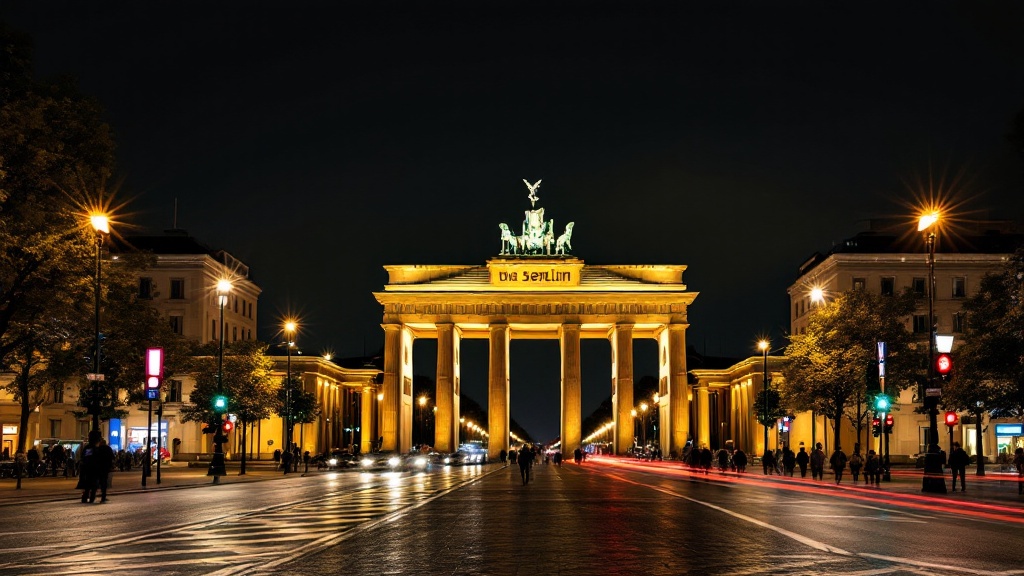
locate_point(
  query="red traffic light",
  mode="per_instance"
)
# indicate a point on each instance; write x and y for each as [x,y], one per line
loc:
[876,422]
[227,426]
[951,418]
[888,420]
[943,364]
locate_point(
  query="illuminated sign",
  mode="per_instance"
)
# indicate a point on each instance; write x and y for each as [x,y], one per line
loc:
[1009,429]
[534,275]
[10,429]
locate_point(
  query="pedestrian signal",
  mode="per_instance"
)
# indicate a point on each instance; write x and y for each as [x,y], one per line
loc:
[876,427]
[888,423]
[227,426]
[943,365]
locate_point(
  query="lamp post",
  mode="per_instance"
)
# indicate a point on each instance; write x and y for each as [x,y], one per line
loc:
[217,462]
[462,422]
[643,424]
[423,418]
[766,385]
[933,480]
[101,224]
[632,413]
[817,298]
[289,332]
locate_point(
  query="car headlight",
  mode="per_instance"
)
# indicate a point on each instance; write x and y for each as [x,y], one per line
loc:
[366,462]
[394,461]
[447,460]
[332,462]
[420,462]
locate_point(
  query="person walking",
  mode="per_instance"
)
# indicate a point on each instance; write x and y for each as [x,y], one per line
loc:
[705,459]
[818,463]
[768,462]
[802,458]
[788,461]
[739,460]
[958,461]
[503,457]
[305,462]
[105,467]
[286,461]
[872,469]
[856,463]
[1018,463]
[723,459]
[512,456]
[838,463]
[524,463]
[88,476]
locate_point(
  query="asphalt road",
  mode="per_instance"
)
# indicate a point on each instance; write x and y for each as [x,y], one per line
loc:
[605,517]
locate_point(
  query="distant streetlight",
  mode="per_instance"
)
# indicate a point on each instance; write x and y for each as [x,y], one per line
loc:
[763,346]
[217,468]
[423,419]
[101,225]
[632,412]
[643,423]
[289,335]
[933,479]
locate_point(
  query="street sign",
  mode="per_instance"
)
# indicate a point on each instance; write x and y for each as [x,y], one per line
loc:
[95,377]
[933,392]
[152,393]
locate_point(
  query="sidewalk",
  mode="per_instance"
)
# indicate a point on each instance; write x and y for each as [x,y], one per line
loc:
[172,476]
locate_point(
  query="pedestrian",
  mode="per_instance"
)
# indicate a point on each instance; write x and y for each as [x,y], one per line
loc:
[286,461]
[512,455]
[838,463]
[557,457]
[788,461]
[694,460]
[33,461]
[104,455]
[57,459]
[802,458]
[818,463]
[723,459]
[577,456]
[856,463]
[739,459]
[1018,463]
[872,469]
[525,459]
[503,457]
[277,457]
[305,461]
[958,461]
[768,462]
[705,459]
[296,458]
[88,477]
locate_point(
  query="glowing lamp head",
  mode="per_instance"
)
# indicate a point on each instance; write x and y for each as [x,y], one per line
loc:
[290,326]
[100,223]
[882,403]
[762,345]
[423,401]
[927,220]
[223,286]
[817,295]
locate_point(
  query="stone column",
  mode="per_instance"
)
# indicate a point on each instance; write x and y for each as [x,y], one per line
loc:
[391,404]
[366,400]
[678,388]
[445,389]
[703,411]
[622,393]
[497,390]
[572,399]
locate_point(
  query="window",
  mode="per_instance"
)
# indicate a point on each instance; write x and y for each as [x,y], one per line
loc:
[859,283]
[177,324]
[918,286]
[55,428]
[959,287]
[234,333]
[177,288]
[959,322]
[920,324]
[174,390]
[145,288]
[58,394]
[213,329]
[888,285]
[796,310]
[236,305]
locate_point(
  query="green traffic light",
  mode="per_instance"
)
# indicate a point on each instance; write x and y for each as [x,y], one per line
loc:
[882,403]
[220,403]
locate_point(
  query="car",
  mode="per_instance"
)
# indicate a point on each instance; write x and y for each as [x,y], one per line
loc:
[336,460]
[381,461]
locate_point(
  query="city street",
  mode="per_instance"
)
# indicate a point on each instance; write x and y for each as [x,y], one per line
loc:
[607,516]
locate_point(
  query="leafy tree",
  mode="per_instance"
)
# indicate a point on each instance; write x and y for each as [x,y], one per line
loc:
[52,141]
[988,375]
[775,408]
[826,367]
[304,405]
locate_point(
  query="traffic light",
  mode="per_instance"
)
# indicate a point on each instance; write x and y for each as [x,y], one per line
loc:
[882,403]
[227,426]
[943,365]
[876,427]
[951,419]
[888,423]
[220,403]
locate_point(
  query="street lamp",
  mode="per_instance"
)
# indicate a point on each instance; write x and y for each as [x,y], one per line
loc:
[763,346]
[289,335]
[643,423]
[632,413]
[933,480]
[423,418]
[101,224]
[217,462]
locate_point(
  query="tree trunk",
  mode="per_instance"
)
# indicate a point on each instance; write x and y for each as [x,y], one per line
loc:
[837,423]
[978,442]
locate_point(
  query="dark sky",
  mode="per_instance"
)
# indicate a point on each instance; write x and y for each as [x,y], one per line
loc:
[318,141]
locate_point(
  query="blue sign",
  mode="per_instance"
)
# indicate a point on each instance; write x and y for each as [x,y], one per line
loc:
[1009,429]
[152,393]
[115,434]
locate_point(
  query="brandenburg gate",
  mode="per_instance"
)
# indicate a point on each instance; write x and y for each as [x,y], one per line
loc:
[533,289]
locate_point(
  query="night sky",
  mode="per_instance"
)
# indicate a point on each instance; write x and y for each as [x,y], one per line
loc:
[319,141]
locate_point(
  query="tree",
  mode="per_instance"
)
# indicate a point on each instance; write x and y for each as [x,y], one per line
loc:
[826,367]
[304,405]
[989,374]
[52,141]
